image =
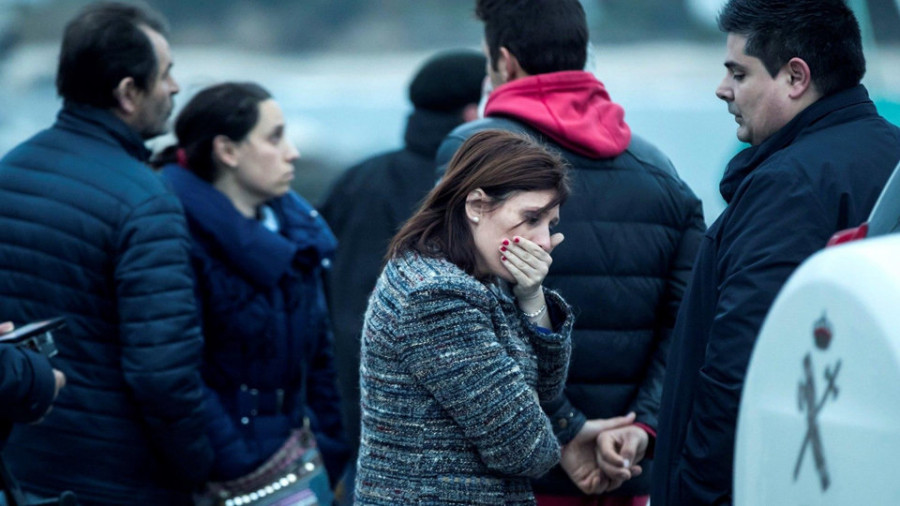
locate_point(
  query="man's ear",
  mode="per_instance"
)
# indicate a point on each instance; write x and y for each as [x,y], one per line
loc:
[128,96]
[509,67]
[225,150]
[799,78]
[476,204]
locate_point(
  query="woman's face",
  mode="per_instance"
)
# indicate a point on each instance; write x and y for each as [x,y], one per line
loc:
[518,216]
[265,157]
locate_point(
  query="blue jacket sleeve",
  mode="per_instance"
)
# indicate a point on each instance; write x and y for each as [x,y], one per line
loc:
[27,384]
[160,334]
[776,223]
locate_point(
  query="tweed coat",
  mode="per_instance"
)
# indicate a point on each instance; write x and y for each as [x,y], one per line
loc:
[451,378]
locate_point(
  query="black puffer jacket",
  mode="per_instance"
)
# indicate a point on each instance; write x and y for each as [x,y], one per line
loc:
[632,229]
[90,233]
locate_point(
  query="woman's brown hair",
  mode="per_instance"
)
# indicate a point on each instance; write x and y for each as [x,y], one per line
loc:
[498,162]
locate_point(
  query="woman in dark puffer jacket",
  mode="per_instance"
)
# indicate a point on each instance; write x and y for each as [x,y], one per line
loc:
[259,252]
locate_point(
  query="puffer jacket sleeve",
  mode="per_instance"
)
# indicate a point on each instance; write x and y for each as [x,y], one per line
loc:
[161,338]
[27,384]
[450,346]
[646,403]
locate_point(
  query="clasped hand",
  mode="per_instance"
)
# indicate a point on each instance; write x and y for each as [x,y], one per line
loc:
[605,454]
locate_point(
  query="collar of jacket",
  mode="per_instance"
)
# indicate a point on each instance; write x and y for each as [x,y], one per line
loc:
[501,289]
[821,114]
[258,254]
[571,107]
[425,130]
[102,124]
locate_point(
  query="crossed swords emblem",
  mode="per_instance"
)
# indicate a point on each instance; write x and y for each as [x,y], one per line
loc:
[808,402]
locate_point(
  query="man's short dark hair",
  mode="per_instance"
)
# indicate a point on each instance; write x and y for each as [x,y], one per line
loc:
[104,44]
[544,35]
[823,33]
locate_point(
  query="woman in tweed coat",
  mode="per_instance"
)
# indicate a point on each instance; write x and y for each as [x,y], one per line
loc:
[461,342]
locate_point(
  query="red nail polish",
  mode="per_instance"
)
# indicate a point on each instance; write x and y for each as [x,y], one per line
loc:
[502,248]
[503,258]
[505,242]
[516,239]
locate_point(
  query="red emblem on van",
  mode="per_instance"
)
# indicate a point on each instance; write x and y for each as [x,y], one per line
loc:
[822,333]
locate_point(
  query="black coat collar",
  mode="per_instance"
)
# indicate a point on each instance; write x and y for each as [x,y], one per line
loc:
[816,116]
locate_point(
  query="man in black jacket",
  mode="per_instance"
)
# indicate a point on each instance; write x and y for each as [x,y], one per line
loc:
[819,157]
[632,228]
[371,200]
[91,234]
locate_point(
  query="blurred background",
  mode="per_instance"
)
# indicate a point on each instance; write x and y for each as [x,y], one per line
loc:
[340,69]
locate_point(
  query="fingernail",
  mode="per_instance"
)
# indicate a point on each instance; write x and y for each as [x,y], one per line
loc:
[516,239]
[502,248]
[503,258]
[505,242]
[627,463]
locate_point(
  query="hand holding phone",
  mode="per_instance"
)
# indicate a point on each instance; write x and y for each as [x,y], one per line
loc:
[36,336]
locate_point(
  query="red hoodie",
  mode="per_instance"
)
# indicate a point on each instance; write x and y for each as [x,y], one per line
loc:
[571,107]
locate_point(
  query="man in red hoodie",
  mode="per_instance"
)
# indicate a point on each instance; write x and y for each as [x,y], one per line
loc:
[632,229]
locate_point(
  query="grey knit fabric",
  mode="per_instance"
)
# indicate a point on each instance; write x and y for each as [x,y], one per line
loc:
[450,377]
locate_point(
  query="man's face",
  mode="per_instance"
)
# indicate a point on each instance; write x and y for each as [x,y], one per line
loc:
[759,102]
[155,103]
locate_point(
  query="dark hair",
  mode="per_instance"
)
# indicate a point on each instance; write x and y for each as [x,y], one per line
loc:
[502,164]
[102,45]
[823,33]
[230,109]
[544,35]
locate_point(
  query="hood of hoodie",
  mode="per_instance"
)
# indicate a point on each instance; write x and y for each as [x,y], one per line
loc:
[571,107]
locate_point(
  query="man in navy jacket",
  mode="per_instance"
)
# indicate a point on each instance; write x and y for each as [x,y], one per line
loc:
[91,234]
[819,157]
